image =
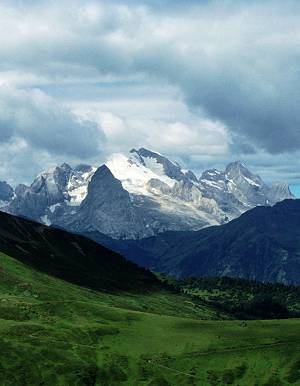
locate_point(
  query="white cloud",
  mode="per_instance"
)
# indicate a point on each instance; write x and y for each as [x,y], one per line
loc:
[172,137]
[234,64]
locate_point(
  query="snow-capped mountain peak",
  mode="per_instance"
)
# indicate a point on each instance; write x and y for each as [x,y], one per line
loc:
[134,171]
[236,170]
[52,192]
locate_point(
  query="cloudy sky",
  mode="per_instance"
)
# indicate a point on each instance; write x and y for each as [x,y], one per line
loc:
[204,82]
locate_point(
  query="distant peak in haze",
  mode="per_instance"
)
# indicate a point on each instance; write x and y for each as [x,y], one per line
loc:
[146,152]
[236,165]
[65,166]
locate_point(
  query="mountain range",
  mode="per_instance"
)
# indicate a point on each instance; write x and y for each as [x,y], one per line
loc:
[263,244]
[138,195]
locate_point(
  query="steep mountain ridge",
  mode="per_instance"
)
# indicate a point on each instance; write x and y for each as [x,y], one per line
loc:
[170,169]
[263,244]
[70,257]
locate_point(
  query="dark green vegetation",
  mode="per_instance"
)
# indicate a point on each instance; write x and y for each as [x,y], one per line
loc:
[263,245]
[245,299]
[54,332]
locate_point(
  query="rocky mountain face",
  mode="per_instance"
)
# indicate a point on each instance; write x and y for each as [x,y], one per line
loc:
[237,189]
[52,194]
[139,195]
[263,244]
[107,208]
[6,193]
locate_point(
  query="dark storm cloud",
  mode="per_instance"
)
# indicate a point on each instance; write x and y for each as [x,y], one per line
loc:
[262,108]
[41,122]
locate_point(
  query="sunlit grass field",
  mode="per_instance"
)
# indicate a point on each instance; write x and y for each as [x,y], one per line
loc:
[55,333]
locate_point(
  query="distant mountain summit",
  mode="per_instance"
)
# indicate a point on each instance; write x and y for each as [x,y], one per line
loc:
[140,194]
[237,189]
[169,168]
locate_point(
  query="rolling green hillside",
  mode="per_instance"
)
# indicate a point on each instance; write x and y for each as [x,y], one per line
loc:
[55,332]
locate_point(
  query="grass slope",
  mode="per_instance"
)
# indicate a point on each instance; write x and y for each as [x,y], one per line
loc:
[56,333]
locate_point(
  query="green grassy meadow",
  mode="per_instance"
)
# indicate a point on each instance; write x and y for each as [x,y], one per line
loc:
[56,333]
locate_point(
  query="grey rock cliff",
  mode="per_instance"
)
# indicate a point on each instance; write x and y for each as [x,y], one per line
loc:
[107,208]
[6,191]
